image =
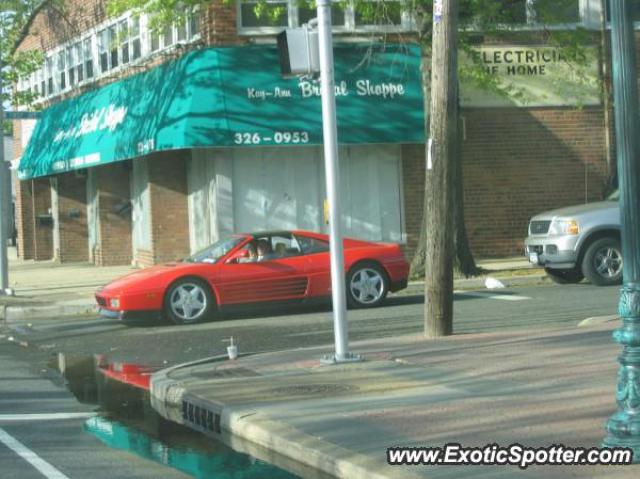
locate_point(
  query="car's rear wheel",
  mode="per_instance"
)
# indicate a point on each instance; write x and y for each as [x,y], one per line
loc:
[602,262]
[188,301]
[367,285]
[564,276]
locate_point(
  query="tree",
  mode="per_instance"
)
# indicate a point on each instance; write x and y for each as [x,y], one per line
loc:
[14,16]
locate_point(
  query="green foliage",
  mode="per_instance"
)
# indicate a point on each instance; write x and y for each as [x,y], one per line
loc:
[162,13]
[14,15]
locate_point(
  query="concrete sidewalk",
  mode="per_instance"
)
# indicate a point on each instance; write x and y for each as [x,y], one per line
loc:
[536,389]
[46,289]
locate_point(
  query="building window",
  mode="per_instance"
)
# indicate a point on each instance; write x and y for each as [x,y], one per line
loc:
[103,53]
[123,39]
[635,10]
[62,75]
[258,17]
[135,45]
[272,13]
[49,71]
[42,90]
[186,30]
[71,65]
[338,14]
[87,56]
[113,46]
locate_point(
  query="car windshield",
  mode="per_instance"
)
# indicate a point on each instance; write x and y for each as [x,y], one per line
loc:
[217,250]
[615,196]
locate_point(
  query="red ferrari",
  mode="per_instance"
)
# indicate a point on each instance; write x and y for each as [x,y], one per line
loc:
[254,268]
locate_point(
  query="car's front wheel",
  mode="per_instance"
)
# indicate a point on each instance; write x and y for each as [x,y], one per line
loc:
[564,276]
[367,285]
[188,301]
[602,262]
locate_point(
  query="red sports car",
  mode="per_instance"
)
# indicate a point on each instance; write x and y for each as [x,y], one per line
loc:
[253,268]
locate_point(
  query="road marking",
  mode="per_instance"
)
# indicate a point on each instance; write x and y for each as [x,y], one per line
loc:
[46,417]
[486,294]
[31,457]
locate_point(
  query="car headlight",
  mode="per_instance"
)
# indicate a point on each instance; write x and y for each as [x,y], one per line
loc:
[564,227]
[114,303]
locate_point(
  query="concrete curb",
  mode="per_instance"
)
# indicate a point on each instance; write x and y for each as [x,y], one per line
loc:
[11,313]
[174,402]
[598,320]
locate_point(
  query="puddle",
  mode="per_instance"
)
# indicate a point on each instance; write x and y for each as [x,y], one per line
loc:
[127,421]
[217,462]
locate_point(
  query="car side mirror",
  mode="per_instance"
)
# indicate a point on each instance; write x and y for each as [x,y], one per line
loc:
[238,255]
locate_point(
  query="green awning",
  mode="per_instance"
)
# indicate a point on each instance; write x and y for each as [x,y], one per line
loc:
[230,97]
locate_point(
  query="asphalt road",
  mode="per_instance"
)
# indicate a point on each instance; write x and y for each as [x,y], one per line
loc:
[41,430]
[55,446]
[268,329]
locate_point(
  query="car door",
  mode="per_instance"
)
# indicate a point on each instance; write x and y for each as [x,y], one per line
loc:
[272,279]
[316,254]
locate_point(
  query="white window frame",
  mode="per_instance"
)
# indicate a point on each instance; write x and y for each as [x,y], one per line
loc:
[92,39]
[407,22]
[191,36]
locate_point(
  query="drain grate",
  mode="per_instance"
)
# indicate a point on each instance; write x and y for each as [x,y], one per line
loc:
[226,373]
[313,389]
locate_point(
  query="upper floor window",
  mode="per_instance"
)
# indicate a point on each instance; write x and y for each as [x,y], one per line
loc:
[183,31]
[255,16]
[378,13]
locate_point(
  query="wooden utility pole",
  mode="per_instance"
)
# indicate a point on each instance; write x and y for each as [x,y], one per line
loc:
[441,151]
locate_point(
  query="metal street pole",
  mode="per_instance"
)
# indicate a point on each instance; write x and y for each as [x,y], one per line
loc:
[623,427]
[330,132]
[4,200]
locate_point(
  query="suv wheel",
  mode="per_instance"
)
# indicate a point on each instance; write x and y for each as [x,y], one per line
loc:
[564,276]
[602,262]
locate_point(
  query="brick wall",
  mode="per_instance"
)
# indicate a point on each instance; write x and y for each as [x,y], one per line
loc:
[24,219]
[413,176]
[72,210]
[114,212]
[516,163]
[169,218]
[54,25]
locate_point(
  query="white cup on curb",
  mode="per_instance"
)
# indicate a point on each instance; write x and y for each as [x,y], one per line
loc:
[232,349]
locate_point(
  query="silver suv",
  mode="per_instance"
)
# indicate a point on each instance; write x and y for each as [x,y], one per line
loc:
[578,241]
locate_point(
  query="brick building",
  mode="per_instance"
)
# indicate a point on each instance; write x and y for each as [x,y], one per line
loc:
[154,145]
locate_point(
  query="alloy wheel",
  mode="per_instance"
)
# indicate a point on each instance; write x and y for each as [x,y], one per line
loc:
[608,262]
[188,302]
[367,286]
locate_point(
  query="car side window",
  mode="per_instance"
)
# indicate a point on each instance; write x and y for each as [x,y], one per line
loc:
[312,245]
[284,246]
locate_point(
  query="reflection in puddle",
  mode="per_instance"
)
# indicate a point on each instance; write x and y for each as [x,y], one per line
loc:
[219,463]
[128,422]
